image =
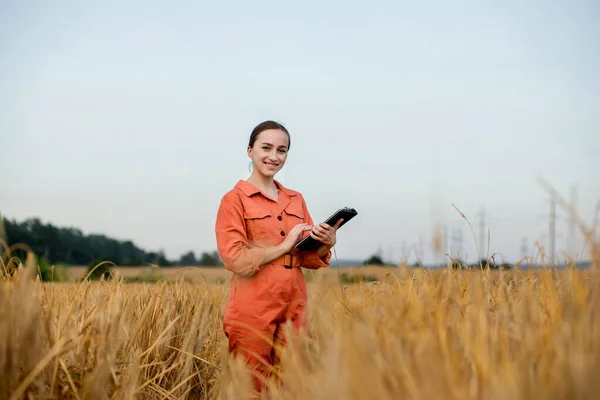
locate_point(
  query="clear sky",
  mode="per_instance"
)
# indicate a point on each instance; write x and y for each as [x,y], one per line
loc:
[132,118]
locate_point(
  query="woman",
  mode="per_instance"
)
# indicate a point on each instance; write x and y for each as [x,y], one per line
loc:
[258,224]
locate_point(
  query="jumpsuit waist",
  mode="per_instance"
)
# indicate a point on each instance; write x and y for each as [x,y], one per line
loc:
[287,261]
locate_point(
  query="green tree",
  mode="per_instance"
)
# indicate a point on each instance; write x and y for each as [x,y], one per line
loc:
[374,260]
[210,259]
[188,259]
[71,247]
[159,259]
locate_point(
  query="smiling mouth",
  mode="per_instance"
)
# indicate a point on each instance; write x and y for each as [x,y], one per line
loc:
[271,164]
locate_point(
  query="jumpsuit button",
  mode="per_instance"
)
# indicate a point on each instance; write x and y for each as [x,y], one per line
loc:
[282,233]
[279,218]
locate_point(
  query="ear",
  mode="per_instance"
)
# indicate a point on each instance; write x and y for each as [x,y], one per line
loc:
[249,151]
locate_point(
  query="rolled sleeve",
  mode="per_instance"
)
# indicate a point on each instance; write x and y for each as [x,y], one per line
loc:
[232,243]
[311,260]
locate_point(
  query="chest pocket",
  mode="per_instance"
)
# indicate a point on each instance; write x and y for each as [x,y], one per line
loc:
[295,214]
[259,223]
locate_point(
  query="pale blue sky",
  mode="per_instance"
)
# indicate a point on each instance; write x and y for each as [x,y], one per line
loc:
[132,119]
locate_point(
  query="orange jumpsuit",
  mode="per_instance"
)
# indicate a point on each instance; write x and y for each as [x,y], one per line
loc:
[262,297]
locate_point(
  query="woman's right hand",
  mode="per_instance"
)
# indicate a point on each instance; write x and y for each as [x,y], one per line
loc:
[294,236]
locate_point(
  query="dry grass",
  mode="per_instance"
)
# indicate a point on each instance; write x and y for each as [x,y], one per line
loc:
[417,334]
[420,334]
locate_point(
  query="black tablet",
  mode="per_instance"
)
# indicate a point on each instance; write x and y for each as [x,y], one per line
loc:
[308,243]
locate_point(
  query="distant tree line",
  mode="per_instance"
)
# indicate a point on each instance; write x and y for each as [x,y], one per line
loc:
[455,264]
[69,246]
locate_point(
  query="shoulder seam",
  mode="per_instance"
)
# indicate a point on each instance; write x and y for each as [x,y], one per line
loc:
[232,194]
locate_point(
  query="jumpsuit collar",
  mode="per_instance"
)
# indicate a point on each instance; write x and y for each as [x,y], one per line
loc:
[249,189]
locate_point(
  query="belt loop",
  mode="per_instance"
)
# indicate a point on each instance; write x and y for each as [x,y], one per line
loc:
[286,264]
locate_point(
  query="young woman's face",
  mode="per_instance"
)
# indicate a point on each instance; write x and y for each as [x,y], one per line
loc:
[269,151]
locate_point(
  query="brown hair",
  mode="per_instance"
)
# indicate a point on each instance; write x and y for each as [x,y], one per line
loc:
[263,126]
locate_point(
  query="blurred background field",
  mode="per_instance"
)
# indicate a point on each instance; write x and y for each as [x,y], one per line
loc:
[221,275]
[329,276]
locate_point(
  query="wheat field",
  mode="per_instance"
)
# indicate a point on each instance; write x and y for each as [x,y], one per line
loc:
[415,334]
[411,334]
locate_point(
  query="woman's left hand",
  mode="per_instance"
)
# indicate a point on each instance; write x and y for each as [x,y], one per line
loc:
[325,233]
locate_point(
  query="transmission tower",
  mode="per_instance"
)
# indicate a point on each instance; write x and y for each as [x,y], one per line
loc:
[549,236]
[524,248]
[552,230]
[445,238]
[446,246]
[457,241]
[572,244]
[482,249]
[2,235]
[421,255]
